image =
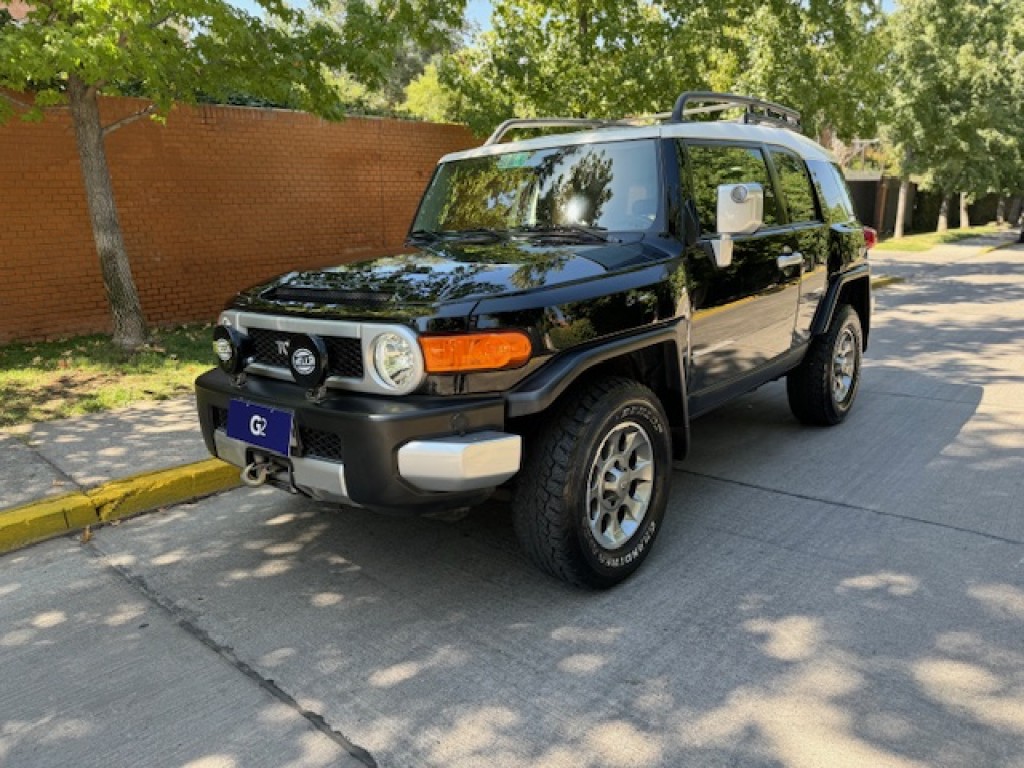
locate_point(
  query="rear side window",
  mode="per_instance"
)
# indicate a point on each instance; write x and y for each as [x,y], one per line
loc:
[795,186]
[714,164]
[835,195]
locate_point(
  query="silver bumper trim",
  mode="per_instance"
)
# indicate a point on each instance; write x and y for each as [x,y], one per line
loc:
[323,480]
[461,462]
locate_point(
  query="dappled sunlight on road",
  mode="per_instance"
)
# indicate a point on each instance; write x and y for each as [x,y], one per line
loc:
[993,700]
[845,598]
[436,644]
[1002,600]
[103,680]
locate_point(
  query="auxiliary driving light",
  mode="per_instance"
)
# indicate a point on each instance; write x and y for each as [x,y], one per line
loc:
[231,348]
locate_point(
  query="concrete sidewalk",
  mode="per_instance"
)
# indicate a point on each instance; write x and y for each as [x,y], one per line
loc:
[65,475]
[887,266]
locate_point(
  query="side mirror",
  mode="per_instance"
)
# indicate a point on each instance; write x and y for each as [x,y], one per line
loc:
[740,212]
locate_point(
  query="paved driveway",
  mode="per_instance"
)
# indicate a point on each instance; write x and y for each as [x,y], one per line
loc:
[818,597]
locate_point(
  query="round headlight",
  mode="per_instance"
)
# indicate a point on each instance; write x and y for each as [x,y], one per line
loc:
[231,349]
[394,360]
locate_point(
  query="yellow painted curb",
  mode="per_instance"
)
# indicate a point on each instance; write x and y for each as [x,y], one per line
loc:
[883,280]
[42,519]
[149,490]
[56,515]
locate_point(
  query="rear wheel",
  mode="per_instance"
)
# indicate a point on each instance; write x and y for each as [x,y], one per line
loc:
[592,492]
[823,387]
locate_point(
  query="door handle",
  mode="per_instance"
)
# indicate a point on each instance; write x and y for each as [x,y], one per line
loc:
[790,259]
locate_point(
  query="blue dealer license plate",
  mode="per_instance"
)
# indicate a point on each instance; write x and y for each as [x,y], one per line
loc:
[260,426]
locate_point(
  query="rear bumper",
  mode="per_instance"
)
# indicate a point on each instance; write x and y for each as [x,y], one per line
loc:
[413,454]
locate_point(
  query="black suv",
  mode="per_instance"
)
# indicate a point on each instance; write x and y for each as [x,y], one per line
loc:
[565,306]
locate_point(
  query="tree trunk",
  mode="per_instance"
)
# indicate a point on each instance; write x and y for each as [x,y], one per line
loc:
[122,295]
[1016,209]
[965,219]
[583,17]
[1001,210]
[901,207]
[943,224]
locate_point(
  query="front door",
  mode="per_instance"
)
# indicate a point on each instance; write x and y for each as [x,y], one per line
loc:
[744,315]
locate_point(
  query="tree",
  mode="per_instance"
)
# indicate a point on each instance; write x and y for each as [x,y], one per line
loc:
[955,90]
[604,58]
[426,98]
[66,53]
[408,56]
[823,58]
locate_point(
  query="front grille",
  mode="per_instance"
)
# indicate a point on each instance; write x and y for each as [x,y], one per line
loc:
[325,445]
[313,442]
[220,418]
[344,355]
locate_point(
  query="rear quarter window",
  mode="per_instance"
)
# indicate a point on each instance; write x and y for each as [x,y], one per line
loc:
[836,205]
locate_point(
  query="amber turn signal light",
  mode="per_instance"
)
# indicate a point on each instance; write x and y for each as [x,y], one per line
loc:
[488,351]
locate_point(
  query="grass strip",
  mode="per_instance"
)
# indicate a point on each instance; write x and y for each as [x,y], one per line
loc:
[56,379]
[928,240]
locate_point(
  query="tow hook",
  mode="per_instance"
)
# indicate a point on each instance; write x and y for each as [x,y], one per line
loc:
[256,473]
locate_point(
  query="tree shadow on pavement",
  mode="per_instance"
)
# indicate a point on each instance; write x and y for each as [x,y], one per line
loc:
[817,597]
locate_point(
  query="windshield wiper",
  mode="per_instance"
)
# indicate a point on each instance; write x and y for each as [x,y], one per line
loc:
[591,234]
[430,236]
[474,234]
[424,234]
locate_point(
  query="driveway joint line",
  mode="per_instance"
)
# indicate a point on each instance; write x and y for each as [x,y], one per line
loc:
[191,627]
[998,407]
[55,467]
[854,507]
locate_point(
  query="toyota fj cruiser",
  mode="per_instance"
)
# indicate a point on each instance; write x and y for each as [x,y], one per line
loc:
[565,305]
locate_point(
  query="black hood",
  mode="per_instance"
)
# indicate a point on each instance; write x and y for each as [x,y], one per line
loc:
[422,281]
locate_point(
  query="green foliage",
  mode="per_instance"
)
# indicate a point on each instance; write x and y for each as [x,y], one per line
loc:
[604,58]
[406,52]
[957,82]
[426,98]
[203,50]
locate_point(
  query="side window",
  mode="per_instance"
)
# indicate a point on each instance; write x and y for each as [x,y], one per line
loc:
[714,164]
[795,186]
[835,196]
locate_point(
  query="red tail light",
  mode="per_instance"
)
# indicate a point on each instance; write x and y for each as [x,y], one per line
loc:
[870,238]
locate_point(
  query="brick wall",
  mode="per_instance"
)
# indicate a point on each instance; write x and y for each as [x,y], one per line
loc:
[218,199]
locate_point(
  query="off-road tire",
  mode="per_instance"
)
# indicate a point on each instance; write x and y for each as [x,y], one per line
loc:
[554,498]
[815,397]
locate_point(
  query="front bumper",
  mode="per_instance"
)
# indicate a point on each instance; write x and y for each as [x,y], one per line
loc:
[410,454]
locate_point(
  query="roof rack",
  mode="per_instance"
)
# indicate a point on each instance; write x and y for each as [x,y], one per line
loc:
[546,122]
[754,110]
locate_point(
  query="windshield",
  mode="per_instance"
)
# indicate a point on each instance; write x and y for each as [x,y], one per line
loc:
[611,186]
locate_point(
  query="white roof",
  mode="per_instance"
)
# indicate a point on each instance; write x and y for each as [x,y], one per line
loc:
[716,131]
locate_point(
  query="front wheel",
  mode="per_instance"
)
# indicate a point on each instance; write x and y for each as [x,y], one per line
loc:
[592,493]
[822,388]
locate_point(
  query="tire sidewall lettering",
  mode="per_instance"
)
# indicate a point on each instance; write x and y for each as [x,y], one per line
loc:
[629,558]
[639,410]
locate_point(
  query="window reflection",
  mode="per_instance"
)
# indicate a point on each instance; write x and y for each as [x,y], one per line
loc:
[713,165]
[613,186]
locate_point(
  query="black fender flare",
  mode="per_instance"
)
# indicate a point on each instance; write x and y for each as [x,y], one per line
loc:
[830,303]
[541,389]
